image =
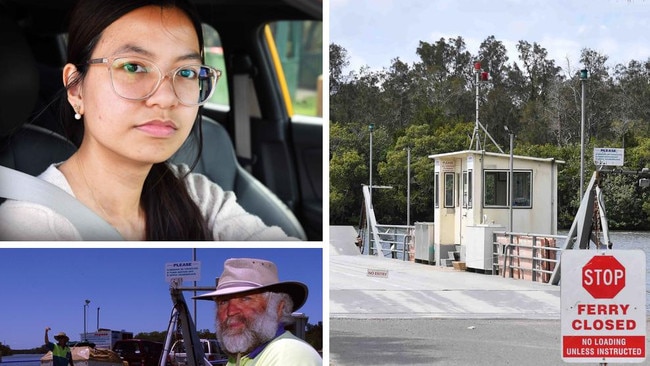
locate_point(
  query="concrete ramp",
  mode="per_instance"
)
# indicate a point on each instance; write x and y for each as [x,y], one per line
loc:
[342,239]
[408,290]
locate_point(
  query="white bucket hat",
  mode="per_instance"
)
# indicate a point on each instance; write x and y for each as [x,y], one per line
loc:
[242,275]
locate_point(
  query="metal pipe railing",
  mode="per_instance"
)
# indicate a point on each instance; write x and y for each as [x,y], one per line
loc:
[395,236]
[539,263]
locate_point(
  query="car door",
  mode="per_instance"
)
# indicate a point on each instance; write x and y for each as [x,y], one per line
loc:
[270,99]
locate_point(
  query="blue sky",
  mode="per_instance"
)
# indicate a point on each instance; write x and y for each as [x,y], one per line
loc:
[374,32]
[48,287]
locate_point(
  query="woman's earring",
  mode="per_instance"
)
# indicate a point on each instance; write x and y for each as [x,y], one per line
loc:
[77,115]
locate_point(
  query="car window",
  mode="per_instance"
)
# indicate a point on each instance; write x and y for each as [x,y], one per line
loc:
[299,45]
[213,346]
[127,348]
[214,57]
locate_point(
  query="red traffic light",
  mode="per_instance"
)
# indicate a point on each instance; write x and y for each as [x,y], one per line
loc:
[477,66]
[484,76]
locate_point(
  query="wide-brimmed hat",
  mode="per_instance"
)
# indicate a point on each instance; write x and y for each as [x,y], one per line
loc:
[61,335]
[242,275]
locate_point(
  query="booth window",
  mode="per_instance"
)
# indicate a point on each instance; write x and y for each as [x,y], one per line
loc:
[467,189]
[495,188]
[522,186]
[436,186]
[449,189]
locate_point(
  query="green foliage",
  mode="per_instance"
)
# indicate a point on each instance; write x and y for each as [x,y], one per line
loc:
[154,336]
[157,336]
[348,171]
[621,200]
[206,334]
[5,350]
[424,140]
[430,106]
[32,351]
[314,335]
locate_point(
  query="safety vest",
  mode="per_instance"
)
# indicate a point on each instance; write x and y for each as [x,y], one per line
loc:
[60,355]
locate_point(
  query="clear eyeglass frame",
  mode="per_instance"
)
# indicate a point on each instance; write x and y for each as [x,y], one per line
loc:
[206,74]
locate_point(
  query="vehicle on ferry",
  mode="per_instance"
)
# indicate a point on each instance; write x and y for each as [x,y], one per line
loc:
[139,352]
[211,348]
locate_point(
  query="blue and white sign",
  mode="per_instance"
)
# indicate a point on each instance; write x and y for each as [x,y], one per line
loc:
[187,271]
[609,156]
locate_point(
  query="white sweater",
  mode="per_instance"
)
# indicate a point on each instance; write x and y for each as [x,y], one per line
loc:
[228,221]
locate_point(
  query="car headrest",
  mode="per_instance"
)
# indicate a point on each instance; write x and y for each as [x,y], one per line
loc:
[19,77]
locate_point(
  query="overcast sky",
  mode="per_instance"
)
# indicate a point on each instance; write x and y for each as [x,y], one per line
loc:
[374,32]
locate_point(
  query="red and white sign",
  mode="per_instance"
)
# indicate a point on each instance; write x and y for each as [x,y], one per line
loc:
[603,277]
[603,306]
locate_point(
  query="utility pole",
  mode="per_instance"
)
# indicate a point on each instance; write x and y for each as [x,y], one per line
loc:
[408,186]
[477,71]
[510,178]
[371,127]
[85,307]
[583,78]
[481,77]
[196,321]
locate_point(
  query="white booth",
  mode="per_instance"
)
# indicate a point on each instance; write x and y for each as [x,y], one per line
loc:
[472,200]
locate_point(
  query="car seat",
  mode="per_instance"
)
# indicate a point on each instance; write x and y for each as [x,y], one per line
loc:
[219,163]
[24,147]
[30,148]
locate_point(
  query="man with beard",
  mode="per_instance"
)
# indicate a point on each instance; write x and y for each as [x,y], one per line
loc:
[253,307]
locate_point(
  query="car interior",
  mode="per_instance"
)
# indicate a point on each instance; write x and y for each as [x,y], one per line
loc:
[254,143]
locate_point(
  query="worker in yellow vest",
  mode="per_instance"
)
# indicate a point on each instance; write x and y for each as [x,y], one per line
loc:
[61,353]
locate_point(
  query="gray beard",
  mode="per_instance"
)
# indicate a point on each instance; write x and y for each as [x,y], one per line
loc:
[259,330]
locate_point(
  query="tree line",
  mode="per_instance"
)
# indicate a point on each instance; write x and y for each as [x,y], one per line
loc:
[429,107]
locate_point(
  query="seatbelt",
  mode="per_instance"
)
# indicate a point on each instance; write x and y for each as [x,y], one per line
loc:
[242,86]
[24,187]
[242,119]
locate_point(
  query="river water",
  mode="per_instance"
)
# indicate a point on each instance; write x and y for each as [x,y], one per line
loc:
[635,240]
[21,360]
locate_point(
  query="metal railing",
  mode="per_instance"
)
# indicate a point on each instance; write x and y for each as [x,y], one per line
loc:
[394,241]
[528,259]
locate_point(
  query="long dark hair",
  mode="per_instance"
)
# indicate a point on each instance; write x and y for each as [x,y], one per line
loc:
[171,214]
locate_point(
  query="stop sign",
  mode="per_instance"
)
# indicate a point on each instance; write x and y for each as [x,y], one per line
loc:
[603,277]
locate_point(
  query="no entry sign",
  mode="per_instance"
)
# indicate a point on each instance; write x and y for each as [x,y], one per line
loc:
[603,306]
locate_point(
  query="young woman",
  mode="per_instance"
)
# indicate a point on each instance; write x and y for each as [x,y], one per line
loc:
[134,83]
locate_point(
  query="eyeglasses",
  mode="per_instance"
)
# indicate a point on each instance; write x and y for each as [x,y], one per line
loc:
[135,78]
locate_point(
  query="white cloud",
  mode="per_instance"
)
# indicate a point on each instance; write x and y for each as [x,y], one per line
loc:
[376,31]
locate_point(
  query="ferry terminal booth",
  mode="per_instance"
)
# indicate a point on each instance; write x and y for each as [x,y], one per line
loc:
[472,200]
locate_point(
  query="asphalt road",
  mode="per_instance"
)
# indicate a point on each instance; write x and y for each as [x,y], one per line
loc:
[444,342]
[419,314]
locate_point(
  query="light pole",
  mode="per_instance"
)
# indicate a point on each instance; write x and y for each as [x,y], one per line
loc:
[196,321]
[408,186]
[512,194]
[583,78]
[371,128]
[85,307]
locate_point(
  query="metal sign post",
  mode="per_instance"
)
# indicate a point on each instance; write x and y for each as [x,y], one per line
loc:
[176,273]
